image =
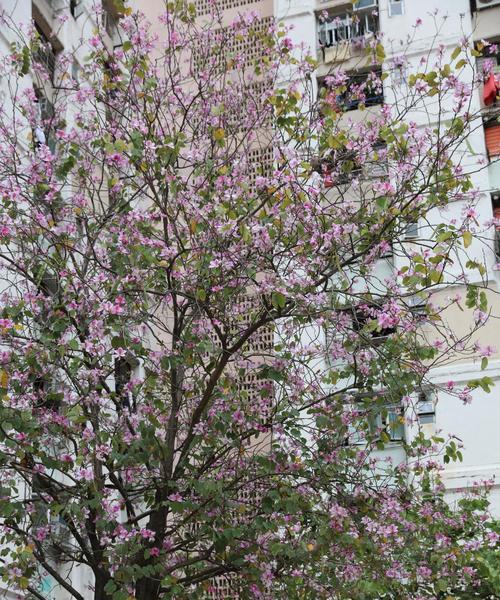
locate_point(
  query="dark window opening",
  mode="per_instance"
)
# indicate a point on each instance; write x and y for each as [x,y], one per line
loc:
[124,368]
[364,323]
[495,202]
[362,88]
[340,167]
[46,396]
[418,308]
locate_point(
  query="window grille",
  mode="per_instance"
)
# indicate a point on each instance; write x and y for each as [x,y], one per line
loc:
[45,54]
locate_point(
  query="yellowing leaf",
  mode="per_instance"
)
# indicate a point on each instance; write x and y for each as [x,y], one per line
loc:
[467,237]
[219,134]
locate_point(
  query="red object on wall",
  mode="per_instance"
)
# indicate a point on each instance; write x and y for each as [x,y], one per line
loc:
[490,90]
[492,137]
[496,215]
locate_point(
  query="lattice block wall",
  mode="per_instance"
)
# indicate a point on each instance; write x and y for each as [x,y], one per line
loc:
[249,47]
[259,393]
[223,588]
[261,160]
[203,7]
[243,314]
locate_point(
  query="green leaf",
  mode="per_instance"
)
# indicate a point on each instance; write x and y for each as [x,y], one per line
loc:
[380,52]
[110,587]
[26,60]
[456,52]
[118,342]
[278,300]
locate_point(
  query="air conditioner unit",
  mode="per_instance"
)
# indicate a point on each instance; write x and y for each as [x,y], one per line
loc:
[486,3]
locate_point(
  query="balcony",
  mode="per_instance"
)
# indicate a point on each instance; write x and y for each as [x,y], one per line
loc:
[488,68]
[485,19]
[362,89]
[343,36]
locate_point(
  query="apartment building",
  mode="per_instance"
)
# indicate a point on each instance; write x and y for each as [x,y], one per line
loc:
[337,42]
[337,32]
[64,27]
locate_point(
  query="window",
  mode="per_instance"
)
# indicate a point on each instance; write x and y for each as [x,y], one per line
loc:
[495,201]
[124,370]
[44,132]
[396,8]
[385,423]
[492,139]
[47,397]
[376,166]
[76,8]
[341,167]
[411,231]
[389,420]
[361,4]
[75,72]
[488,61]
[426,407]
[57,544]
[45,54]
[109,19]
[365,324]
[363,88]
[418,307]
[399,75]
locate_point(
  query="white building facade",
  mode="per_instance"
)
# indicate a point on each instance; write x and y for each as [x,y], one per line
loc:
[332,29]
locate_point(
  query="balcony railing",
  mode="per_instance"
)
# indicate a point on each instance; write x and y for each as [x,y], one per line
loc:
[347,28]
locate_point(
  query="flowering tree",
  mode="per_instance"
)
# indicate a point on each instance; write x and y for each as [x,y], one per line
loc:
[200,350]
